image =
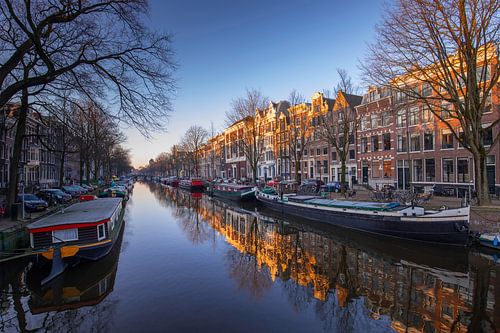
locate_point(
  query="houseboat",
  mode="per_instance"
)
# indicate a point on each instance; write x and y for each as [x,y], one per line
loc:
[449,226]
[77,287]
[192,184]
[173,181]
[85,231]
[232,191]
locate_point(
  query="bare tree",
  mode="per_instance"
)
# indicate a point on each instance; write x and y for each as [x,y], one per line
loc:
[73,42]
[443,55]
[338,127]
[299,130]
[244,108]
[192,140]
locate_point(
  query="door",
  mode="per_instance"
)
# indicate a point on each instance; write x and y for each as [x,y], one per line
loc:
[365,174]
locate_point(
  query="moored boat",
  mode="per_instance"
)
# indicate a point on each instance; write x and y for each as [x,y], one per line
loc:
[450,227]
[192,184]
[84,231]
[233,191]
[491,240]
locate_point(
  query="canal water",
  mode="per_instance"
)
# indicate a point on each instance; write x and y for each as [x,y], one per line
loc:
[189,263]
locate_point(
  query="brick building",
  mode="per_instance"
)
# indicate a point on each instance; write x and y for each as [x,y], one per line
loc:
[376,139]
[236,165]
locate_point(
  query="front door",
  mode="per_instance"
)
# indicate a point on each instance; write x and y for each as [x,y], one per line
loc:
[365,174]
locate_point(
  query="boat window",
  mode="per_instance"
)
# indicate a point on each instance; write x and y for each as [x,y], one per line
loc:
[101,234]
[64,235]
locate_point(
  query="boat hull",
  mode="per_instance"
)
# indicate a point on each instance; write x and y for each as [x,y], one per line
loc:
[235,196]
[442,232]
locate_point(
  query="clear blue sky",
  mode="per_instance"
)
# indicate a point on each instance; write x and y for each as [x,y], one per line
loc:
[223,47]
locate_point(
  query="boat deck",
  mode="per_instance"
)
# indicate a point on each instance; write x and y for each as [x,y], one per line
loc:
[362,205]
[82,212]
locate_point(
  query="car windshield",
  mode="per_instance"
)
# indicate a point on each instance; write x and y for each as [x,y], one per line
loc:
[58,192]
[29,197]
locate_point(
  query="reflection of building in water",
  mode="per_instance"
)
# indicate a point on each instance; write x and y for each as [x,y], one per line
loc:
[417,298]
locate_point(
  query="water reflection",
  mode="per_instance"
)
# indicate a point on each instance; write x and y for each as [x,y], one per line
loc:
[352,281]
[26,306]
[195,264]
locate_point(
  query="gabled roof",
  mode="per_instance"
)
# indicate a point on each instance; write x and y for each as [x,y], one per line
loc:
[353,100]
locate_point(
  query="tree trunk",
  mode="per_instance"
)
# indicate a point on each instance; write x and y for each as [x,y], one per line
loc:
[16,153]
[481,180]
[61,169]
[343,168]
[80,162]
[87,167]
[342,171]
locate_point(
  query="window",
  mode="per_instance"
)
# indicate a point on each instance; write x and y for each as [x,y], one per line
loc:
[387,169]
[101,233]
[386,137]
[374,121]
[325,151]
[414,116]
[400,119]
[430,170]
[365,123]
[483,74]
[487,136]
[64,235]
[461,136]
[352,154]
[375,146]
[448,170]
[428,140]
[386,118]
[415,142]
[305,152]
[325,166]
[463,170]
[351,139]
[446,140]
[376,169]
[318,152]
[445,110]
[427,115]
[334,155]
[426,89]
[364,145]
[402,143]
[418,172]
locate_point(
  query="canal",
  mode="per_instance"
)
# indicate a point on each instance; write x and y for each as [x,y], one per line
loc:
[189,263]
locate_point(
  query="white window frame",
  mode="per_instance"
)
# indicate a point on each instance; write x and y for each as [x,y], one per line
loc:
[103,231]
[59,238]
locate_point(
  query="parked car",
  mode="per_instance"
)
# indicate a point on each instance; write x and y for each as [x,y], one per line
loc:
[54,195]
[87,187]
[32,203]
[73,191]
[334,187]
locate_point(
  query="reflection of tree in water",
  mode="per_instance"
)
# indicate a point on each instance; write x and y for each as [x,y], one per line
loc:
[195,229]
[247,273]
[244,267]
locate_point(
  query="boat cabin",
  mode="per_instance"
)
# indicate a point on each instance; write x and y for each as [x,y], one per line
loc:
[87,222]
